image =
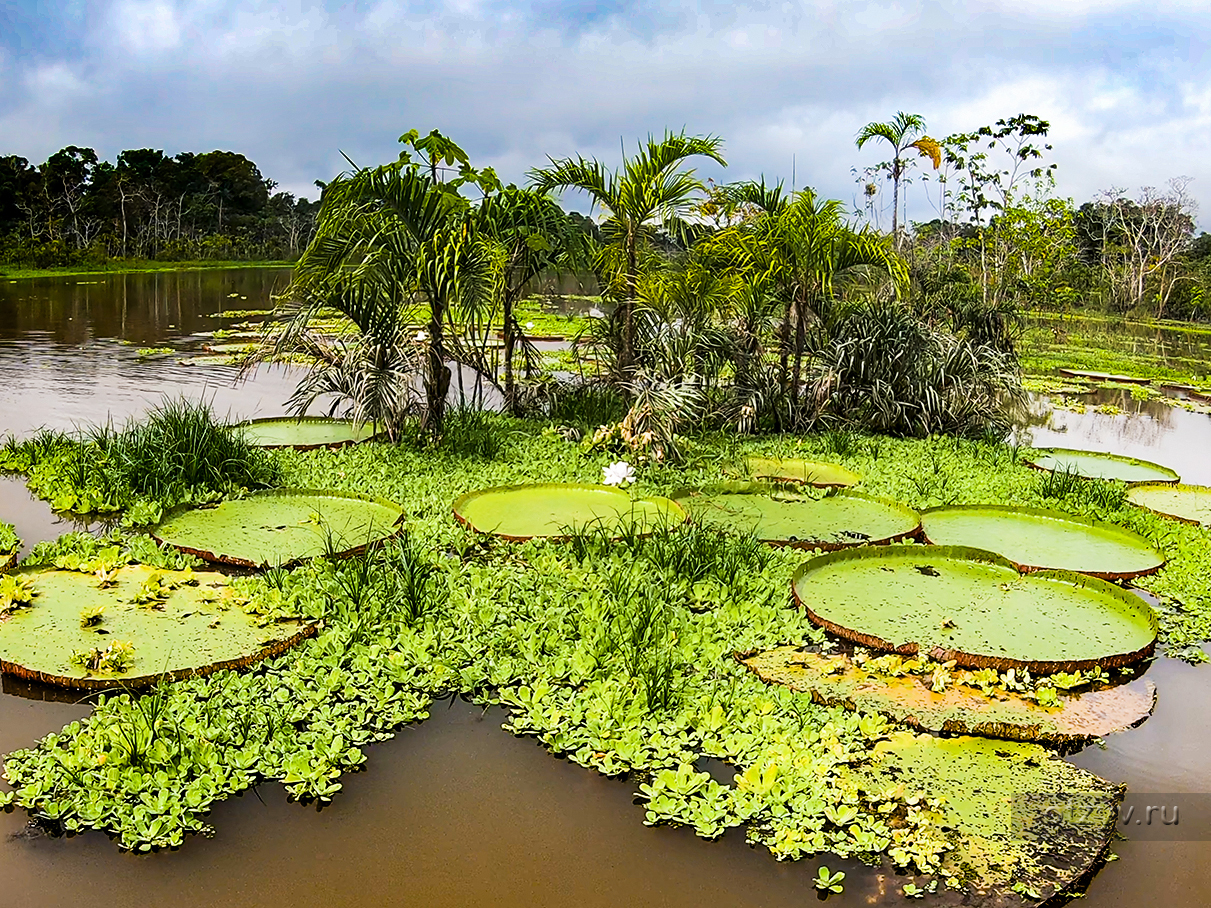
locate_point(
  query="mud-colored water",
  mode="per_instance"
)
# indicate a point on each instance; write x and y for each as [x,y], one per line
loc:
[456,811]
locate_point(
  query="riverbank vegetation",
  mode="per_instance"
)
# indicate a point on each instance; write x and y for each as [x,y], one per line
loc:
[614,653]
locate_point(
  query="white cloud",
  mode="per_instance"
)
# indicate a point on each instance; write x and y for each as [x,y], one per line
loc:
[292,83]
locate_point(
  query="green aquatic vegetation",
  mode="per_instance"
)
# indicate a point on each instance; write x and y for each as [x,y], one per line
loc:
[827,881]
[574,639]
[16,592]
[781,517]
[149,352]
[303,433]
[177,453]
[114,659]
[10,544]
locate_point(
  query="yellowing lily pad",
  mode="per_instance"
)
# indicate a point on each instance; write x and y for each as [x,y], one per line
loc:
[808,472]
[557,509]
[956,708]
[133,626]
[1014,815]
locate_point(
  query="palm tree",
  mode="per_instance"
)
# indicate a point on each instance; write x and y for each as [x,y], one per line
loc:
[802,249]
[389,244]
[903,132]
[533,235]
[649,192]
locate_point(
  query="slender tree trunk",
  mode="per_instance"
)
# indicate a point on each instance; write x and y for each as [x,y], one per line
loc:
[800,339]
[627,359]
[784,346]
[510,342]
[895,202]
[437,381]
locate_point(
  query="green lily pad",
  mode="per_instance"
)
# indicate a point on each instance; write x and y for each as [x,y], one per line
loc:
[1016,816]
[281,527]
[1096,465]
[973,607]
[1035,539]
[809,472]
[958,707]
[1189,504]
[555,509]
[1105,376]
[189,624]
[306,433]
[832,521]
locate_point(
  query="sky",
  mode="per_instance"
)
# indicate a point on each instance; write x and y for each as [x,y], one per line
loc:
[1126,86]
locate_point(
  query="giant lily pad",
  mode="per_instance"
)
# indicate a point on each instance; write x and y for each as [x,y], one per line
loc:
[831,521]
[306,433]
[281,527]
[973,607]
[1016,816]
[1105,376]
[1097,465]
[556,509]
[808,472]
[1189,504]
[1033,539]
[186,624]
[957,707]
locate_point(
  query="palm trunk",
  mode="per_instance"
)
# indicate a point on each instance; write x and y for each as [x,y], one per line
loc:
[627,360]
[437,381]
[510,342]
[800,339]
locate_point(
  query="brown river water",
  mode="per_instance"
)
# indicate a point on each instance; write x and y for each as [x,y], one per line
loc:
[455,811]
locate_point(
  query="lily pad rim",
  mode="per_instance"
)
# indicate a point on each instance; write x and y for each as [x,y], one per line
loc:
[1058,516]
[857,477]
[330,445]
[466,497]
[1171,487]
[742,487]
[1104,455]
[975,660]
[236,561]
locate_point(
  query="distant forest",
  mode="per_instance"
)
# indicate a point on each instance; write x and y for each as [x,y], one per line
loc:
[76,209]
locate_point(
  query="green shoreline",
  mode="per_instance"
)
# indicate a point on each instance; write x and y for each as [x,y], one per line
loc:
[13,273]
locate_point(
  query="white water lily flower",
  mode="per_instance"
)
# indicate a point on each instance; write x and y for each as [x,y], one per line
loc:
[618,474]
[421,336]
[529,324]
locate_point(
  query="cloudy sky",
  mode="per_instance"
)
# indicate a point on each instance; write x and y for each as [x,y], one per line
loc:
[1125,85]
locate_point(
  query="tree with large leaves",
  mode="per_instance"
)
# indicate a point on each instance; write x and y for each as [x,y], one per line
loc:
[391,243]
[650,192]
[802,250]
[903,132]
[532,235]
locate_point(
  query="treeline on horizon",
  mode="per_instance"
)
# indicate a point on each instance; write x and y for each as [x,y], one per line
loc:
[76,209]
[998,224]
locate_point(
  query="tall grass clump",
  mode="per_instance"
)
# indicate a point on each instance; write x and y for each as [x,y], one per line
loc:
[176,452]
